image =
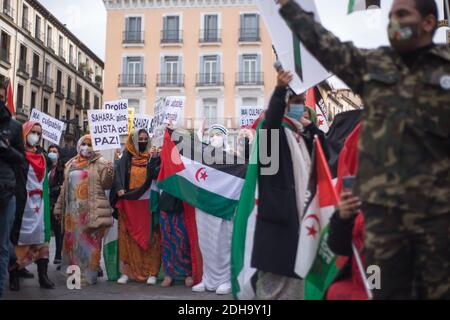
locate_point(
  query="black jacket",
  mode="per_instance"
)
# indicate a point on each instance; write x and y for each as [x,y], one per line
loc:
[122,180]
[12,159]
[339,241]
[277,222]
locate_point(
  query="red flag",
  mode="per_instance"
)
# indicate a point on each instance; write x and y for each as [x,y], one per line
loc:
[10,98]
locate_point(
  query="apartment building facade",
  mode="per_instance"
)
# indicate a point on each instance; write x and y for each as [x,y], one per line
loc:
[49,67]
[216,53]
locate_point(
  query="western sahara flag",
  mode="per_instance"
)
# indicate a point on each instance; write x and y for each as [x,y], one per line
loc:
[360,5]
[111,252]
[187,175]
[244,229]
[315,100]
[315,262]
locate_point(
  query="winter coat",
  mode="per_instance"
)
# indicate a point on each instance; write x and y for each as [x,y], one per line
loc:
[100,175]
[12,159]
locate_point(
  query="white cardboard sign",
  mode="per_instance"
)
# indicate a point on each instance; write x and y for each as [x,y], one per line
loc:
[120,107]
[103,129]
[51,128]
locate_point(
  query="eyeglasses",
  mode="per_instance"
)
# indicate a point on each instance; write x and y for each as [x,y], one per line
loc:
[86,144]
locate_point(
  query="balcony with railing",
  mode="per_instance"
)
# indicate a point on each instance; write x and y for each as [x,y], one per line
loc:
[133,37]
[70,97]
[60,91]
[8,11]
[210,36]
[62,53]
[249,79]
[171,36]
[209,79]
[39,36]
[48,84]
[79,101]
[37,77]
[23,70]
[51,45]
[132,80]
[170,80]
[26,25]
[5,58]
[249,35]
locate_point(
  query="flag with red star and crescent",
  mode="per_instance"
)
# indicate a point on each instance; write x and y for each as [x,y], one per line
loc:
[315,100]
[321,202]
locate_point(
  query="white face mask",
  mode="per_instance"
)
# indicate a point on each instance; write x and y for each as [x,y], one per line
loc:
[86,151]
[217,141]
[33,139]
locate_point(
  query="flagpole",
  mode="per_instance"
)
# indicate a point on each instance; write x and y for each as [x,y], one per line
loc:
[362,272]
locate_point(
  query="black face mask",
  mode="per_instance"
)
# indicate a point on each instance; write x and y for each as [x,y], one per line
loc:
[142,146]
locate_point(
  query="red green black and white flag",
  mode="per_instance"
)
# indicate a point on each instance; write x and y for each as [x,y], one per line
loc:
[211,185]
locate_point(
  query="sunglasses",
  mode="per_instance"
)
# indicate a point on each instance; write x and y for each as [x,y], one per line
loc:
[86,144]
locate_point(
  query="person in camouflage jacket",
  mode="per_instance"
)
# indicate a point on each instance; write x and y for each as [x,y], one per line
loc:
[404,163]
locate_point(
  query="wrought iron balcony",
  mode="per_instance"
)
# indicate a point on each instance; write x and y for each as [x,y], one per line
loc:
[171,36]
[249,79]
[133,37]
[132,80]
[209,79]
[170,80]
[210,35]
[249,35]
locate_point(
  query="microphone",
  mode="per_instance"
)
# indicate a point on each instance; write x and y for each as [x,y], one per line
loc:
[278,66]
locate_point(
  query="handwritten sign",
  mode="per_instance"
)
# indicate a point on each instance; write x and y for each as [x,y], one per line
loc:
[120,108]
[103,128]
[51,128]
[248,115]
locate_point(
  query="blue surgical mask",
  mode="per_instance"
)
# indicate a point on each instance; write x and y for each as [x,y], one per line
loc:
[297,111]
[53,156]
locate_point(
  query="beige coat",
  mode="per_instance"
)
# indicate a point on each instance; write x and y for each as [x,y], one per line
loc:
[100,175]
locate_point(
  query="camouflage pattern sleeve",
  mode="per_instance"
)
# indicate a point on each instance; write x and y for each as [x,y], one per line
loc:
[341,58]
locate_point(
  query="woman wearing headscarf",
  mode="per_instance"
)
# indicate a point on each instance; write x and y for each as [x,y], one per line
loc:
[214,235]
[31,233]
[55,182]
[84,210]
[139,234]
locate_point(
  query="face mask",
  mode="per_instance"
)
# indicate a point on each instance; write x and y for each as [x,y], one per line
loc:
[33,139]
[53,156]
[402,35]
[142,146]
[297,111]
[217,141]
[85,151]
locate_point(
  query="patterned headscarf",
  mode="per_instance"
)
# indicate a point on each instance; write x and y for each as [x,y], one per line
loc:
[26,129]
[81,161]
[223,130]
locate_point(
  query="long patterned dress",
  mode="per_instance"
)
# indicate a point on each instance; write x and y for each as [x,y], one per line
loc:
[81,247]
[176,251]
[136,263]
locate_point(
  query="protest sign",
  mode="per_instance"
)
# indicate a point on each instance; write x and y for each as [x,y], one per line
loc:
[248,115]
[291,53]
[120,107]
[51,127]
[103,129]
[141,121]
[130,119]
[157,126]
[173,109]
